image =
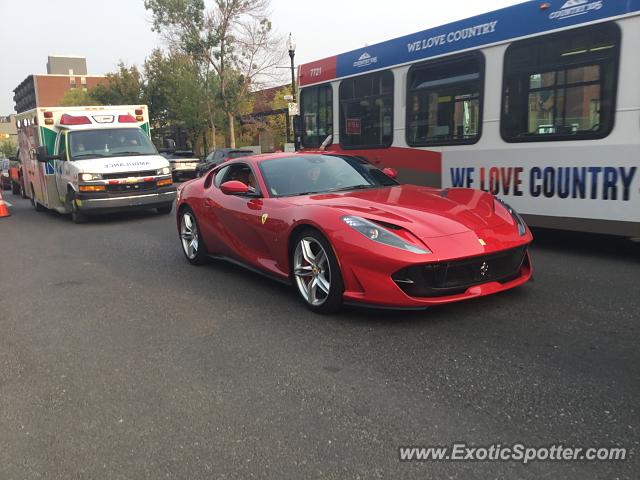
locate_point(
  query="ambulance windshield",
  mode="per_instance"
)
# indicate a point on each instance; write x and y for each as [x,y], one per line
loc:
[113,142]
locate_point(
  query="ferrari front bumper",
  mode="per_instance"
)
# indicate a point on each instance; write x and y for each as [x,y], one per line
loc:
[391,278]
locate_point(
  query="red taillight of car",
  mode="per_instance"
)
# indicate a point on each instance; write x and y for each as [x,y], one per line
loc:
[67,119]
[128,118]
[139,111]
[48,114]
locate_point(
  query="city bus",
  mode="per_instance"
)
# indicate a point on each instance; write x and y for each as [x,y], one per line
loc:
[538,103]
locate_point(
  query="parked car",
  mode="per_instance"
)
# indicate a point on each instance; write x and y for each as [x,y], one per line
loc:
[219,156]
[183,164]
[5,179]
[342,231]
[15,174]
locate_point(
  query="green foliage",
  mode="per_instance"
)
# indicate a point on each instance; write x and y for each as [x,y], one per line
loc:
[124,87]
[8,147]
[78,97]
[231,39]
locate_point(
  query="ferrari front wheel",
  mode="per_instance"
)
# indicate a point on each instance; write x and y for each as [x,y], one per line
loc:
[316,273]
[192,244]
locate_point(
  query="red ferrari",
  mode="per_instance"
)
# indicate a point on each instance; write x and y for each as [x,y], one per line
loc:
[342,231]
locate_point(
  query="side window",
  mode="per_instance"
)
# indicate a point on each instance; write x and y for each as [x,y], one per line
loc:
[62,145]
[240,172]
[219,176]
[366,111]
[317,115]
[561,86]
[444,101]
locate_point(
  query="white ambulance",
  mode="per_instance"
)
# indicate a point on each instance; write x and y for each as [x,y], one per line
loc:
[91,160]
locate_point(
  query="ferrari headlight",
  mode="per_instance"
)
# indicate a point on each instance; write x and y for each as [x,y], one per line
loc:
[380,234]
[522,227]
[87,177]
[163,171]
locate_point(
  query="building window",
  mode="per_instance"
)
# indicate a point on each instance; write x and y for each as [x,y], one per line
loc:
[317,115]
[561,86]
[366,111]
[444,101]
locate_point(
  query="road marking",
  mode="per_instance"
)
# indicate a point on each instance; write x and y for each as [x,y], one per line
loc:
[7,204]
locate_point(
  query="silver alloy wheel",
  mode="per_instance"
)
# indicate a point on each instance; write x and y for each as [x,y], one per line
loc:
[189,235]
[312,271]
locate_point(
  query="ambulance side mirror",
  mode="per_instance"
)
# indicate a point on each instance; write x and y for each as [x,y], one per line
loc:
[42,153]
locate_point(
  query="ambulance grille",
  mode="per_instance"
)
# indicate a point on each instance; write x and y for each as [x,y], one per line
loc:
[113,176]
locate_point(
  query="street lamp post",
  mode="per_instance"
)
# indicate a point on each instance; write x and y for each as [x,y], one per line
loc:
[292,53]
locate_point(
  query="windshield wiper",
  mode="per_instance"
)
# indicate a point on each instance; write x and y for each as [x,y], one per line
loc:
[300,194]
[93,155]
[352,187]
[123,154]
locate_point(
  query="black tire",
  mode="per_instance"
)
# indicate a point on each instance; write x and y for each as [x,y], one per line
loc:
[77,216]
[165,209]
[196,255]
[34,202]
[333,301]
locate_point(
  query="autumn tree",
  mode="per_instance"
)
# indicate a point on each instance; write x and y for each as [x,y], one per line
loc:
[234,38]
[123,87]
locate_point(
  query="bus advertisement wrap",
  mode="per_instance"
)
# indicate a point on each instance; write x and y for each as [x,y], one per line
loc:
[489,28]
[603,190]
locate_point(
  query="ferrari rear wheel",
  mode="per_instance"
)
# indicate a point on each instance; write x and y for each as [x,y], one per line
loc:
[317,274]
[190,240]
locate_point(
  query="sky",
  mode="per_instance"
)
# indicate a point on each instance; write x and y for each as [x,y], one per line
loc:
[110,31]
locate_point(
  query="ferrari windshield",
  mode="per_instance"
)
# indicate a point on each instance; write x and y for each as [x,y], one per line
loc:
[310,174]
[111,142]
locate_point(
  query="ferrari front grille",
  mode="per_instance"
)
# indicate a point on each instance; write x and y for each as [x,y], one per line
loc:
[454,277]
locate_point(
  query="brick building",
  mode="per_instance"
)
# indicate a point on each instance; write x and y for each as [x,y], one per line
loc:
[47,90]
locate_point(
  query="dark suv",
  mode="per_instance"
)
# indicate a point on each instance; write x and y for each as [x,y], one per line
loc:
[219,156]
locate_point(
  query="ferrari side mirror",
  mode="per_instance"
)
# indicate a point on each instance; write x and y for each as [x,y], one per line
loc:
[234,187]
[390,172]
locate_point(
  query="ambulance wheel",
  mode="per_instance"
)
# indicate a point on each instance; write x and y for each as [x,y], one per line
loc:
[76,215]
[34,202]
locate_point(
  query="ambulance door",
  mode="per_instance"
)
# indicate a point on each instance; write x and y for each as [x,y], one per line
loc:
[61,166]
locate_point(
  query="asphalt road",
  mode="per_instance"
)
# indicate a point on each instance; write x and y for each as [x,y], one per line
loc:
[119,360]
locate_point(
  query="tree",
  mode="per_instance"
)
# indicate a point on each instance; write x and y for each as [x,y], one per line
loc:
[124,87]
[8,147]
[177,92]
[234,38]
[78,97]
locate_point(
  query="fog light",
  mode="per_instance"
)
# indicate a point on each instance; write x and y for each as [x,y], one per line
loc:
[91,188]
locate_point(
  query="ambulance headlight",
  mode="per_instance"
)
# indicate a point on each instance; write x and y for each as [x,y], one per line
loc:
[164,171]
[87,177]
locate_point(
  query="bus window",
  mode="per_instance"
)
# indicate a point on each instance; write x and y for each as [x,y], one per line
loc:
[366,111]
[317,115]
[561,86]
[444,101]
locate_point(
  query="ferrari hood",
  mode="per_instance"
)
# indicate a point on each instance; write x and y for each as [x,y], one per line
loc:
[426,212]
